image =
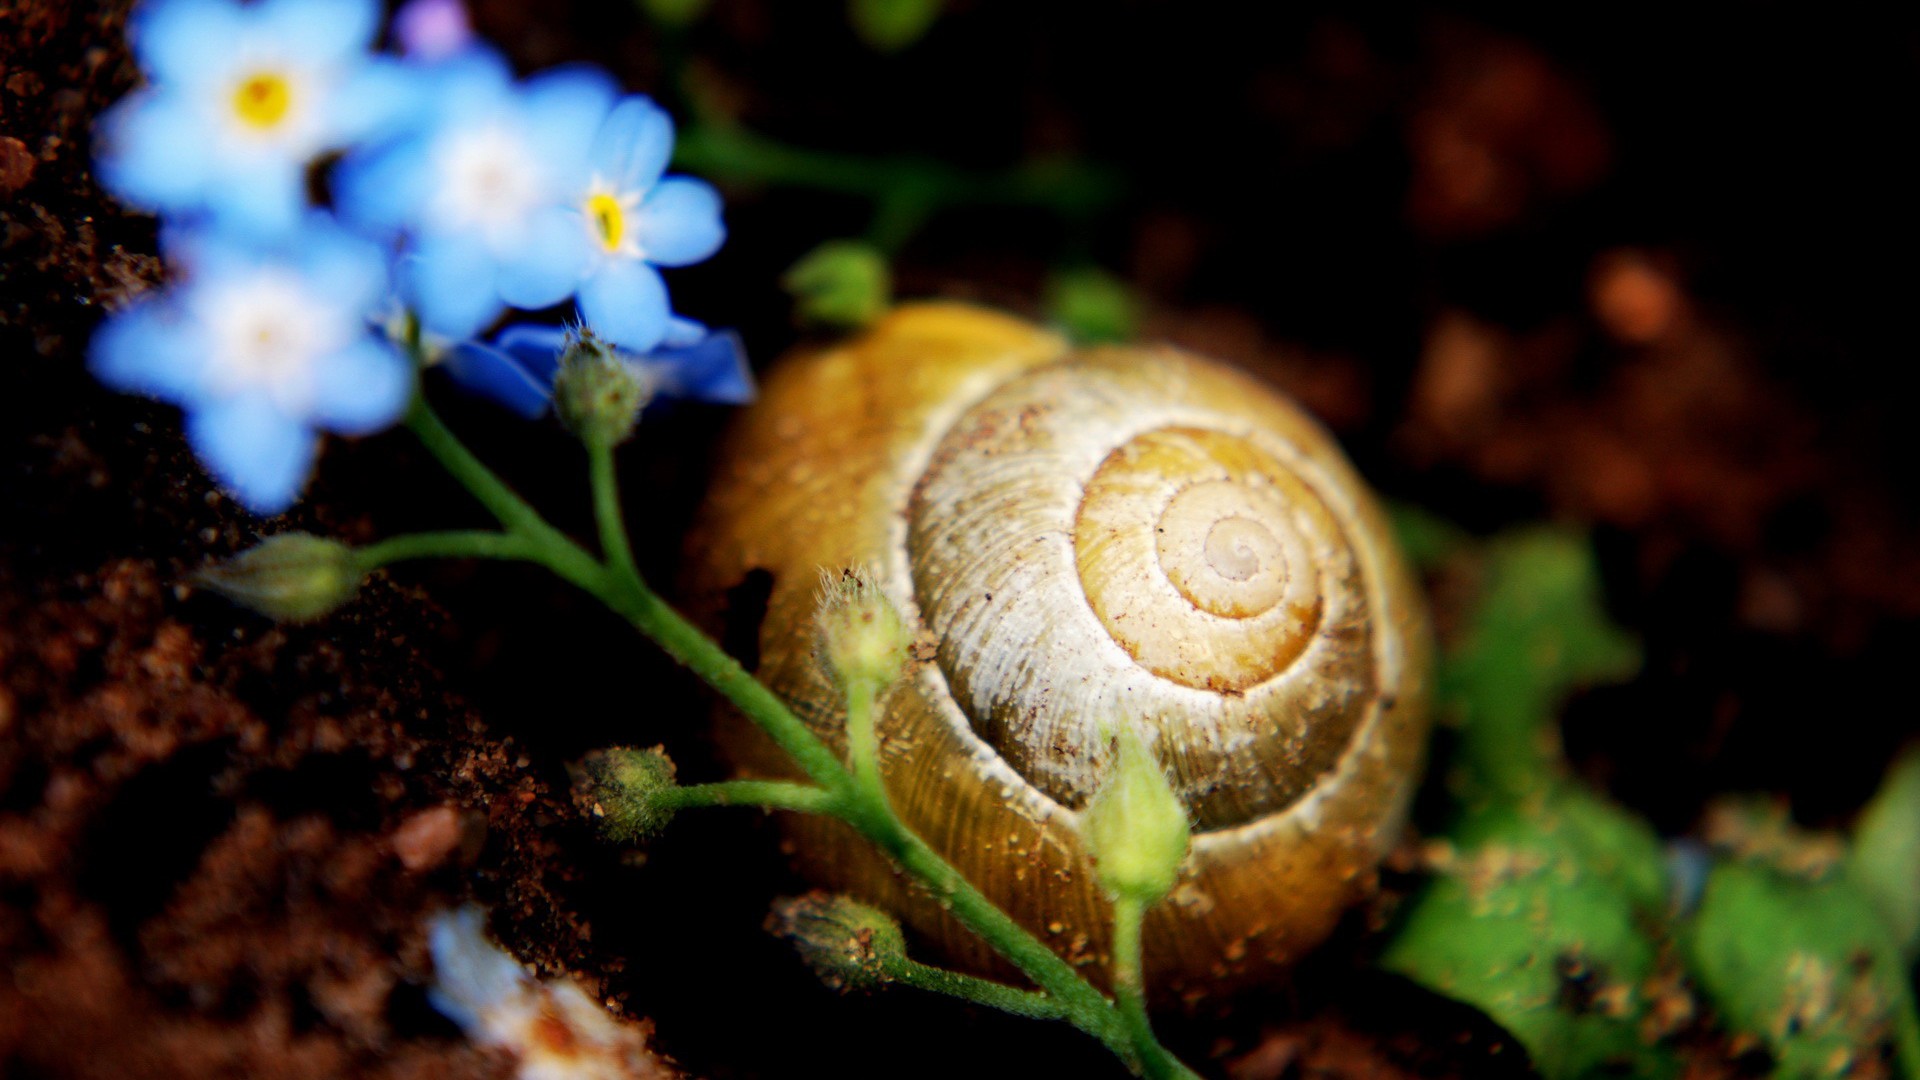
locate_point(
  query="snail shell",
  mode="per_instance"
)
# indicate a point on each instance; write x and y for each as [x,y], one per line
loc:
[1084,538]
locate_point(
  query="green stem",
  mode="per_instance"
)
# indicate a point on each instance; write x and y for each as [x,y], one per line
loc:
[835,790]
[547,545]
[1028,1003]
[1129,991]
[1083,1005]
[454,544]
[722,149]
[606,511]
[863,741]
[771,794]
[684,642]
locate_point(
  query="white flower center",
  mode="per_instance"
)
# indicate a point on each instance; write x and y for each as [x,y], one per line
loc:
[489,180]
[266,333]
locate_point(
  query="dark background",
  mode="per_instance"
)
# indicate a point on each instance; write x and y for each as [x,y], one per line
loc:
[1629,269]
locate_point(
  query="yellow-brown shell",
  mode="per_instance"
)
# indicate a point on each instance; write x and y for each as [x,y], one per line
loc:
[1085,538]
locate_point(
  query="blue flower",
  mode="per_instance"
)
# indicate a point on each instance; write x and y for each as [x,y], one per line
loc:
[241,100]
[636,221]
[484,190]
[263,346]
[518,368]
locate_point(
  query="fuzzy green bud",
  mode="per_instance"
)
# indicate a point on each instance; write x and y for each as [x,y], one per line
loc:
[292,577]
[862,636]
[597,394]
[1135,826]
[848,944]
[625,789]
[841,283]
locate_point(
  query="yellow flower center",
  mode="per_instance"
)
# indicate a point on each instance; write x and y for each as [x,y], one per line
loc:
[263,99]
[609,219]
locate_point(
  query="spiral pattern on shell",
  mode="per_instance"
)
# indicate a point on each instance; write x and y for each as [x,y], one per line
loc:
[1083,539]
[1091,546]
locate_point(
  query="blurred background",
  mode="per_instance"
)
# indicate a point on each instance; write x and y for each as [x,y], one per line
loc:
[1630,269]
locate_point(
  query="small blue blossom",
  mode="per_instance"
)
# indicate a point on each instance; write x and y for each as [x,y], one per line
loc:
[484,190]
[240,101]
[263,346]
[518,368]
[638,220]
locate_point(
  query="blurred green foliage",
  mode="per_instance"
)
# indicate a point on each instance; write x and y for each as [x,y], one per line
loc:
[1549,908]
[1092,306]
[842,283]
[1538,909]
[892,25]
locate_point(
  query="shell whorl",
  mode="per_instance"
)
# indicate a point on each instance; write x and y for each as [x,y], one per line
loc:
[1014,497]
[1091,544]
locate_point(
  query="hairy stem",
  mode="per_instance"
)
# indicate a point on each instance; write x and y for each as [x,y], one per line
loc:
[453,544]
[1129,991]
[771,794]
[863,741]
[606,510]
[1028,1003]
[854,796]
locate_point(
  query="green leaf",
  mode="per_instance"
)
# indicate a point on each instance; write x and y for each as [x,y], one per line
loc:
[1093,306]
[1807,966]
[892,25]
[1884,857]
[1539,632]
[1426,538]
[1537,920]
[841,283]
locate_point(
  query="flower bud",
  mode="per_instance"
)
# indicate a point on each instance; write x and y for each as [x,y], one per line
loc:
[292,577]
[862,636]
[848,944]
[840,283]
[1135,826]
[623,788]
[597,394]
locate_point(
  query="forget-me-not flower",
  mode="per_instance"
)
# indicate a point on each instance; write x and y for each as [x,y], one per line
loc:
[517,370]
[263,346]
[240,101]
[637,220]
[484,189]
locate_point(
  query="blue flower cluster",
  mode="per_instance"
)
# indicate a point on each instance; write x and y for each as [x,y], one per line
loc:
[457,194]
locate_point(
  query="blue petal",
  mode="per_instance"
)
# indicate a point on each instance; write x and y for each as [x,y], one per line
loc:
[449,281]
[563,110]
[150,151]
[679,223]
[382,191]
[347,268]
[634,144]
[322,31]
[493,373]
[361,389]
[626,303]
[682,332]
[537,348]
[148,349]
[714,370]
[258,453]
[266,198]
[378,99]
[187,42]
[549,260]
